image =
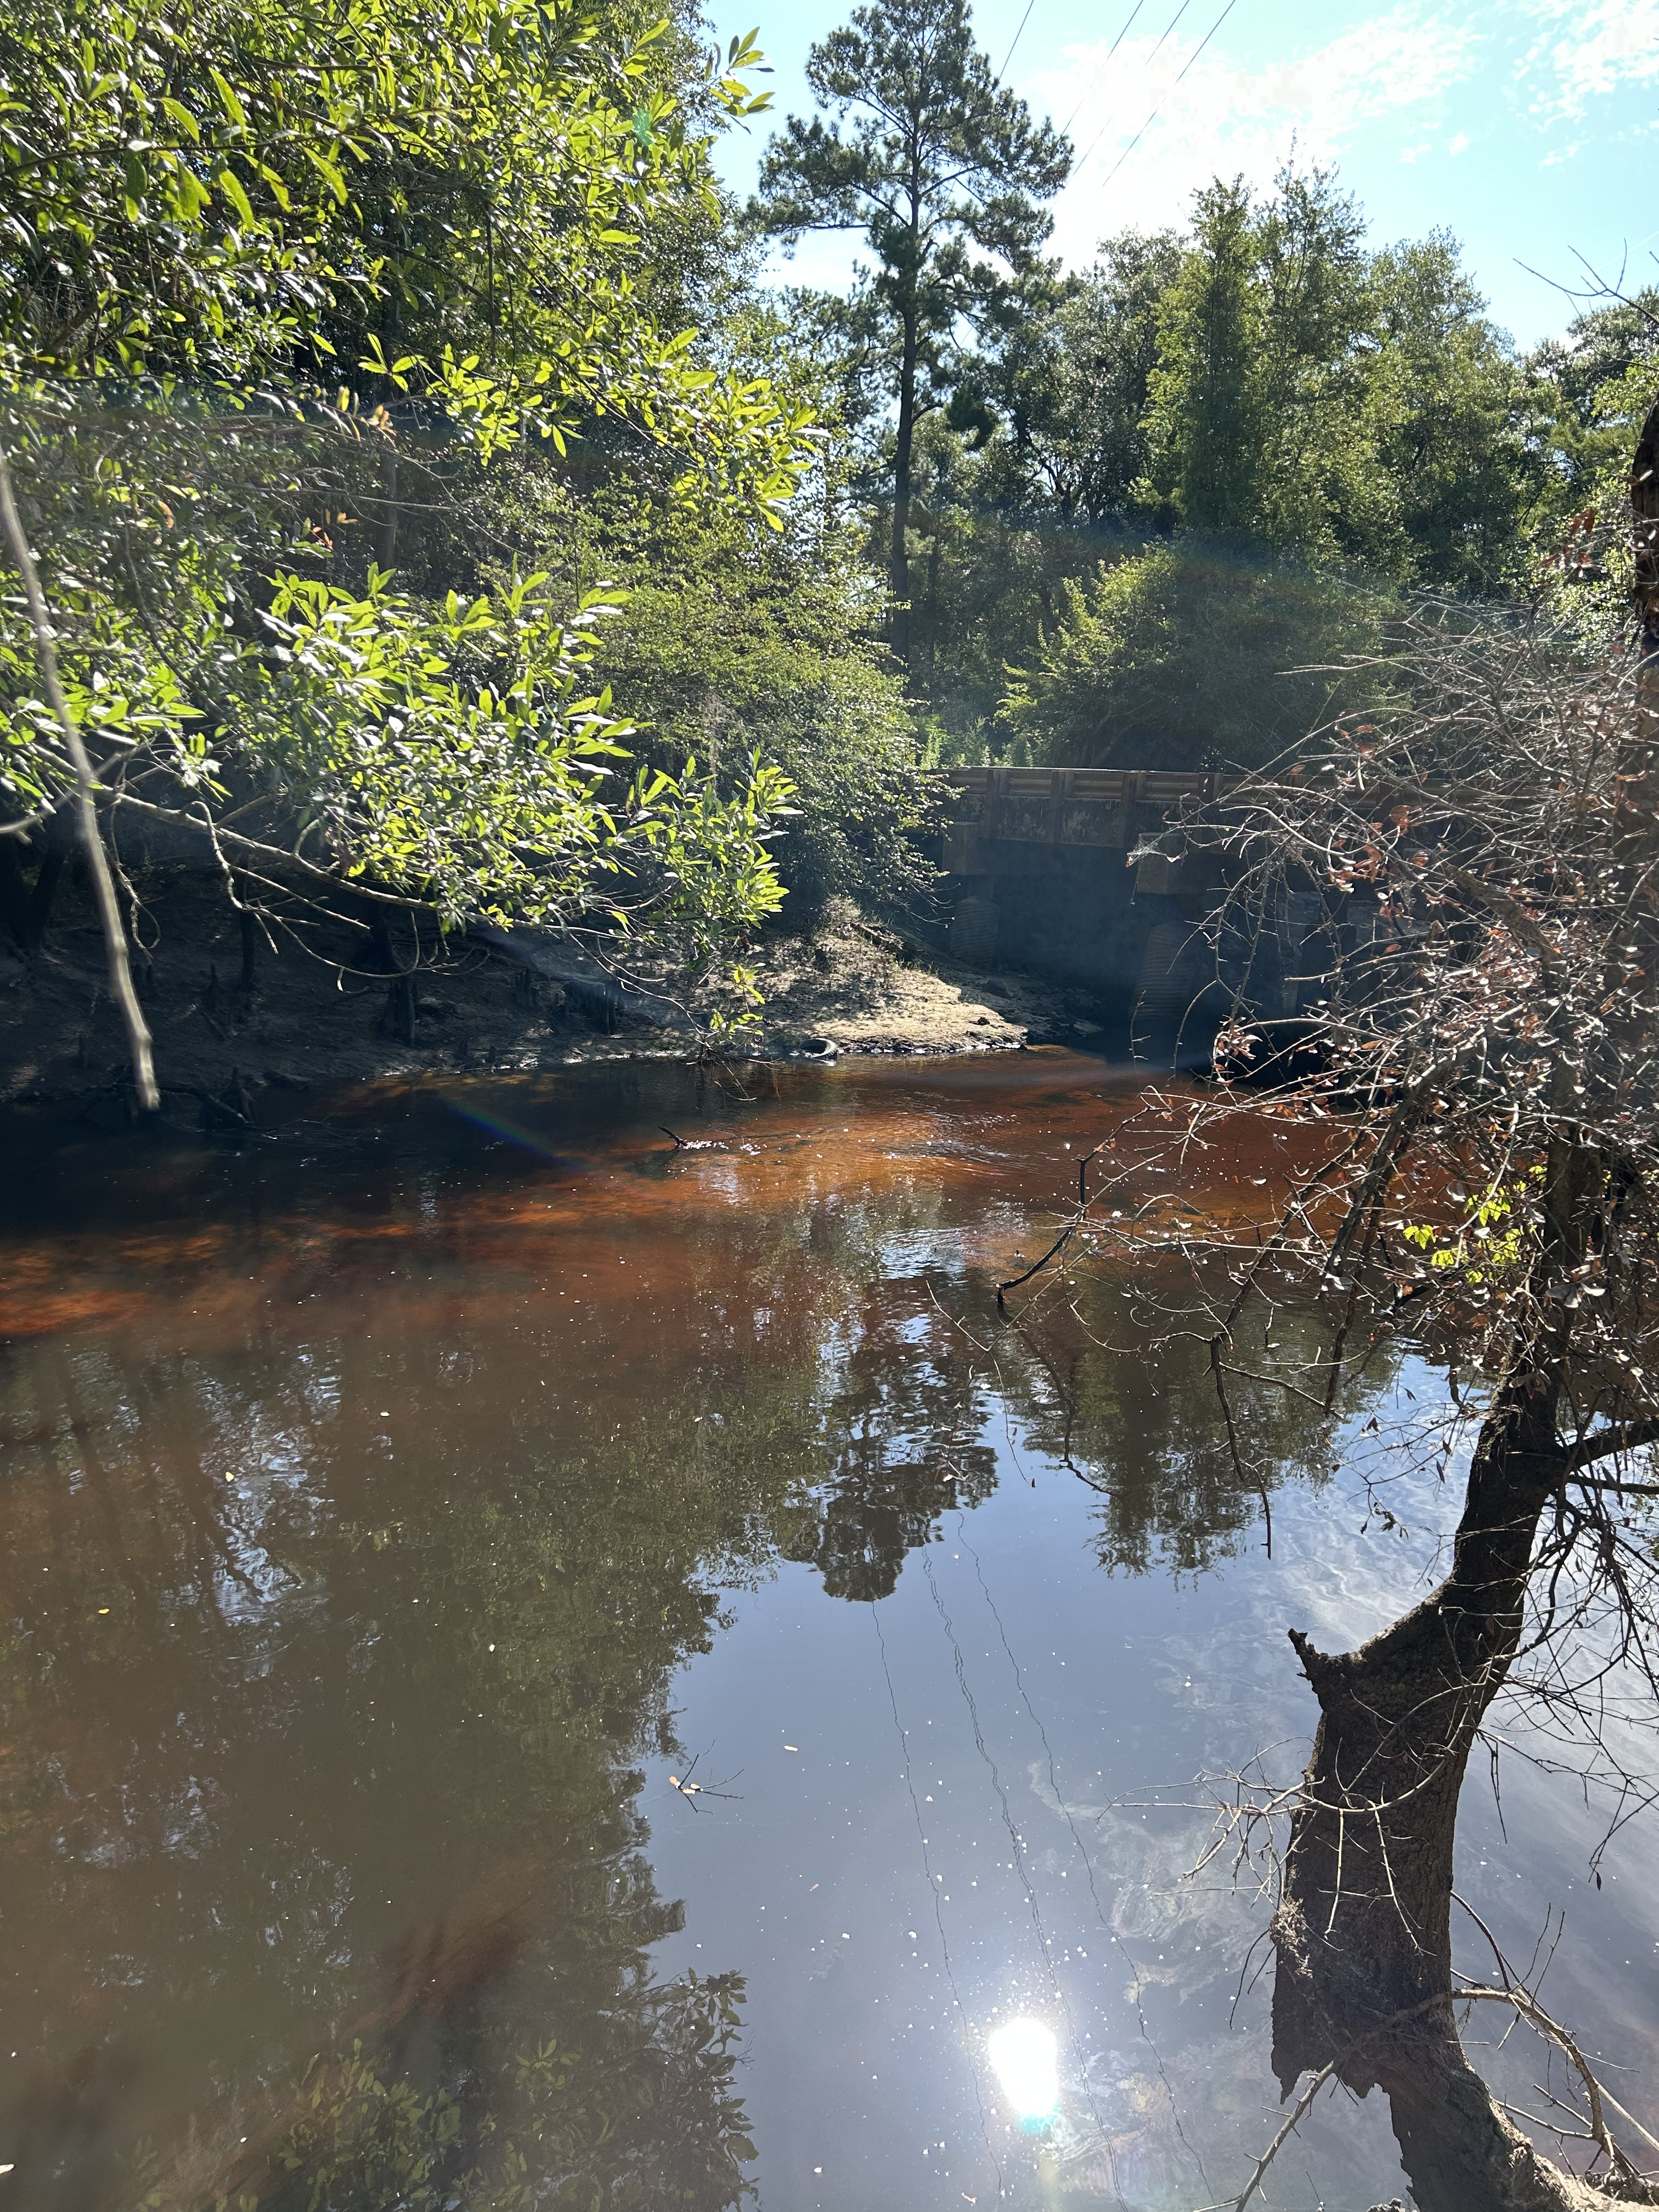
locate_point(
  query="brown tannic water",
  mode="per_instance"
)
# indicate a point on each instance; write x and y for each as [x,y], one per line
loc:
[401,1510]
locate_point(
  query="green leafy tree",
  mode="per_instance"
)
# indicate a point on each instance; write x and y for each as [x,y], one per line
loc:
[1027,473]
[1592,389]
[986,573]
[727,664]
[1193,655]
[1070,382]
[733,639]
[1342,405]
[1445,474]
[942,170]
[261,267]
[1205,403]
[1311,281]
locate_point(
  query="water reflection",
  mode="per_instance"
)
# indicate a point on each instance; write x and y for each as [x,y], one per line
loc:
[354,1547]
[325,1738]
[1025,2059]
[899,1443]
[391,1511]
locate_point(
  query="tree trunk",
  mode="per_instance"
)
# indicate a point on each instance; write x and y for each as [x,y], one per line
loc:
[385,534]
[1362,1935]
[899,574]
[380,938]
[27,907]
[932,607]
[14,893]
[386,529]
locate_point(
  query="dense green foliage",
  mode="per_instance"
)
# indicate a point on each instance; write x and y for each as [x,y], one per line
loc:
[729,657]
[1134,500]
[734,640]
[275,283]
[1161,658]
[1326,424]
[1347,406]
[428,505]
[1595,386]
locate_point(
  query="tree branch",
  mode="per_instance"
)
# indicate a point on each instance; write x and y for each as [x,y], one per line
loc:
[1607,1443]
[109,917]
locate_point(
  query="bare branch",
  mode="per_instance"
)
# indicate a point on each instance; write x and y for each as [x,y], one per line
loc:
[109,918]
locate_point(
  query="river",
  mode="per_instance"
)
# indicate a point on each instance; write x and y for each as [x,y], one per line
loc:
[546,1665]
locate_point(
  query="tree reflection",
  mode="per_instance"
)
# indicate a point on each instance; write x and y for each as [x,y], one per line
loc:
[347,1580]
[904,1431]
[332,1754]
[1144,1431]
[899,1430]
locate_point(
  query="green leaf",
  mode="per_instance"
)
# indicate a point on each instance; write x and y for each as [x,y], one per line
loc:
[230,185]
[232,106]
[330,171]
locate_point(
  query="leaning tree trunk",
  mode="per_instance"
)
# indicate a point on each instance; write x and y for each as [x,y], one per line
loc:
[1362,1934]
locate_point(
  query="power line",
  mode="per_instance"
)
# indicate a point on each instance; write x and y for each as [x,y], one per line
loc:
[1127,151]
[1168,28]
[1016,1841]
[1209,35]
[1110,51]
[1149,63]
[1019,34]
[1159,110]
[934,1883]
[1088,1868]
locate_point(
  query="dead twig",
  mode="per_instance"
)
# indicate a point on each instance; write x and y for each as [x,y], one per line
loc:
[1065,1235]
[692,1790]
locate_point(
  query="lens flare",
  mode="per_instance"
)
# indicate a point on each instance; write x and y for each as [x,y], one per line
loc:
[512,1132]
[1026,2058]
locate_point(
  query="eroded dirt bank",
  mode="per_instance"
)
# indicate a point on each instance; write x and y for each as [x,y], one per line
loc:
[238,1013]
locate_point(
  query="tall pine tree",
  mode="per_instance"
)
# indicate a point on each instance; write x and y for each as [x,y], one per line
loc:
[944,172]
[1204,419]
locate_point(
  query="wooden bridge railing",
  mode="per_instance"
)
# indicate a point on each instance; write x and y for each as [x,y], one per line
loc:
[1101,806]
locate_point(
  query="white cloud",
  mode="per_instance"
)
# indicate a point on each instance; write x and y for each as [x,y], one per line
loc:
[1460,144]
[1610,43]
[1409,153]
[1224,118]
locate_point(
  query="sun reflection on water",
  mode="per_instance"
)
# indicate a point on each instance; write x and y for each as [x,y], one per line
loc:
[1026,2061]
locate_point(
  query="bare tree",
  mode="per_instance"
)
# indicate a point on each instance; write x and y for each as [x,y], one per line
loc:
[1473,1070]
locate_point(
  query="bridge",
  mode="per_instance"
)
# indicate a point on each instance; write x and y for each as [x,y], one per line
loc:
[1071,871]
[1105,807]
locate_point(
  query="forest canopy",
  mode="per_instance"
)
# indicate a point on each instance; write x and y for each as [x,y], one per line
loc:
[1258,412]
[1267,410]
[435,513]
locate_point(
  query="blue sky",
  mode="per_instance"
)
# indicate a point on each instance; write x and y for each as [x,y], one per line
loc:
[1530,129]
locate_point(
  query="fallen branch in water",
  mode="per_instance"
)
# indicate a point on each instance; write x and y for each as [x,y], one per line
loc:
[692,1790]
[1060,1242]
[695,1143]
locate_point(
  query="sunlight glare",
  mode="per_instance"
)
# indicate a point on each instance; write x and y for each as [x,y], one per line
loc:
[1026,2058]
